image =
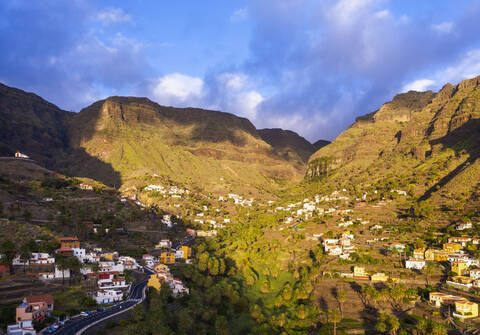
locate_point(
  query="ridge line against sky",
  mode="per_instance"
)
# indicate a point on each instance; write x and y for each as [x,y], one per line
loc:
[304,65]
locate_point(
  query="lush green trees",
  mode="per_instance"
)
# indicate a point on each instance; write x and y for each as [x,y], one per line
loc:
[8,252]
[334,317]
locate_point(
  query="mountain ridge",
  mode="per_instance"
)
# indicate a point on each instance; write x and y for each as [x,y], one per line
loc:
[415,136]
[113,139]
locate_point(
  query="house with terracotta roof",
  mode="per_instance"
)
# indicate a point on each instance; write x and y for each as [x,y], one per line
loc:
[69,242]
[65,251]
[47,298]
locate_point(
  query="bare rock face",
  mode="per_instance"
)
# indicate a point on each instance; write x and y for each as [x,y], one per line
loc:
[435,131]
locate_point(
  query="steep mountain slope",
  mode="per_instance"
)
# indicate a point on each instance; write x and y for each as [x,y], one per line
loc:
[31,125]
[210,150]
[425,141]
[124,141]
[288,144]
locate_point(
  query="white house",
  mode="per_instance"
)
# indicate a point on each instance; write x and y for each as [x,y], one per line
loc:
[41,258]
[470,260]
[115,283]
[475,273]
[24,327]
[47,275]
[179,254]
[62,274]
[80,253]
[107,296]
[164,244]
[18,154]
[464,226]
[414,263]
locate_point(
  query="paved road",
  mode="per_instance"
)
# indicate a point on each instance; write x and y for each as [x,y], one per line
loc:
[74,325]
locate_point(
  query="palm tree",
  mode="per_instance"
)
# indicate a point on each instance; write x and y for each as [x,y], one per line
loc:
[9,252]
[428,271]
[439,329]
[422,326]
[74,265]
[62,265]
[393,325]
[25,255]
[341,299]
[334,317]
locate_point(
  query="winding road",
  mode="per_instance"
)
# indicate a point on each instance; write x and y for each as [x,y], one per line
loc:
[79,324]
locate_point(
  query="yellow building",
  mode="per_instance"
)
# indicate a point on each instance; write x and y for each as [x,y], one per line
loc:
[441,255]
[466,309]
[419,253]
[187,251]
[359,272]
[167,258]
[452,247]
[463,280]
[379,277]
[154,282]
[109,256]
[459,267]
[430,255]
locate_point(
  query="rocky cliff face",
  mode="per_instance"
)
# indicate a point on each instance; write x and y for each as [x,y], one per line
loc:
[210,149]
[417,133]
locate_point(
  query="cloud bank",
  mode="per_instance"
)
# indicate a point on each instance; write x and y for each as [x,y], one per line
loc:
[312,66]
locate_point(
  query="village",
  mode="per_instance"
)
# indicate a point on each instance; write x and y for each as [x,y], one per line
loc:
[106,275]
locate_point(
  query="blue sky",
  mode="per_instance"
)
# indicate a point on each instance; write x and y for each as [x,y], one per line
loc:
[307,65]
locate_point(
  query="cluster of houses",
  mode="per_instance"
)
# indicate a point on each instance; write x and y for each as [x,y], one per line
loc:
[362,274]
[108,272]
[169,255]
[33,308]
[109,275]
[452,252]
[238,200]
[163,276]
[167,191]
[463,308]
[341,247]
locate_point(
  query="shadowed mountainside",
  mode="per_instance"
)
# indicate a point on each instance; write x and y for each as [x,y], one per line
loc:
[289,144]
[31,124]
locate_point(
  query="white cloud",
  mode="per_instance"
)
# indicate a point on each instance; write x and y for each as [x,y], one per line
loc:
[239,15]
[419,85]
[112,15]
[247,103]
[467,67]
[232,81]
[443,28]
[383,14]
[178,89]
[349,11]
